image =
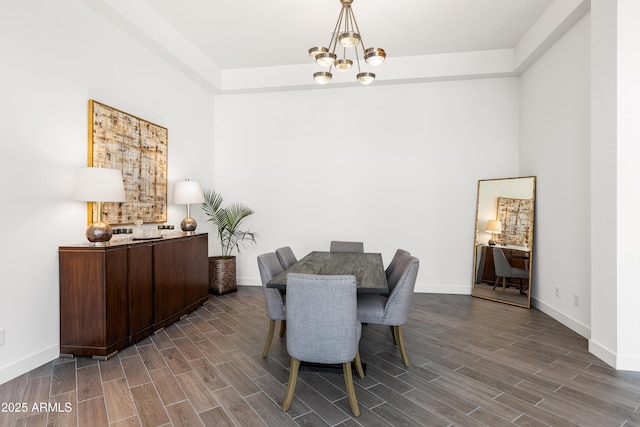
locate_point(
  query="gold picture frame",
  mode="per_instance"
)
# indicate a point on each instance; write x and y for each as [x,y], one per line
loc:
[137,147]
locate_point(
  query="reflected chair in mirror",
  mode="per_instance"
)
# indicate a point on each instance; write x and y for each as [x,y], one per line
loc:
[286,257]
[393,310]
[269,267]
[341,246]
[323,327]
[505,271]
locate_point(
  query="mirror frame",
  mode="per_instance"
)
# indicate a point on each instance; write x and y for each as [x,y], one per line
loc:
[479,248]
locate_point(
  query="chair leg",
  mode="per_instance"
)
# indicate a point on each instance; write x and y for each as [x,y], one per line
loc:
[495,284]
[272,327]
[351,392]
[359,369]
[293,377]
[403,352]
[504,284]
[283,327]
[393,335]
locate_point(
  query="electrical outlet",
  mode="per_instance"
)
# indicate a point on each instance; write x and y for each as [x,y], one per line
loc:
[1,336]
[558,292]
[576,299]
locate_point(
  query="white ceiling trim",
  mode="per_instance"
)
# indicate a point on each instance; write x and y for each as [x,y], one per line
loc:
[559,17]
[145,25]
[150,29]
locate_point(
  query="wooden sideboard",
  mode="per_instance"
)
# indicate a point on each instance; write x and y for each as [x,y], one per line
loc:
[115,295]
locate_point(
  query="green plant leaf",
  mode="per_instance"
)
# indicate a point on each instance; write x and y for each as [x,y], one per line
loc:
[228,221]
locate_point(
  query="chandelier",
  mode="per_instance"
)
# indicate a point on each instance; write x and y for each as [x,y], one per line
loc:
[347,33]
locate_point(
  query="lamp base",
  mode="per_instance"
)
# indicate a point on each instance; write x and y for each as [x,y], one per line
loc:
[188,225]
[99,233]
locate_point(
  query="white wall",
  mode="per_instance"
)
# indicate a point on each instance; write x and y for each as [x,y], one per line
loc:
[55,57]
[615,196]
[628,292]
[555,146]
[393,166]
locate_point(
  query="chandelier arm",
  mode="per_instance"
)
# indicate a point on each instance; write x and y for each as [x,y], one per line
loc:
[357,59]
[354,24]
[347,19]
[334,34]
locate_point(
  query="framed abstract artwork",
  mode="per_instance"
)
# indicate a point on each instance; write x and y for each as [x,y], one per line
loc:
[516,216]
[138,148]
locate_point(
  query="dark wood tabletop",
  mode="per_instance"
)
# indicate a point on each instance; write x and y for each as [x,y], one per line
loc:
[366,267]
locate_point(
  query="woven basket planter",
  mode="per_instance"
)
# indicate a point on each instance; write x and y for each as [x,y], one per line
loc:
[222,275]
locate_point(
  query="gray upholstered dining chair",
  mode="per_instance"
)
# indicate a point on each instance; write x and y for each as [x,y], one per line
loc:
[393,310]
[286,257]
[270,266]
[505,271]
[323,327]
[392,272]
[341,246]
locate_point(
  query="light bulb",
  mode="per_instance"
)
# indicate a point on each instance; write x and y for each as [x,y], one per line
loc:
[317,50]
[326,59]
[322,77]
[366,78]
[349,39]
[344,64]
[374,56]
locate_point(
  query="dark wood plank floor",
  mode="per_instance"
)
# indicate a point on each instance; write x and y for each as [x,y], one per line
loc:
[473,363]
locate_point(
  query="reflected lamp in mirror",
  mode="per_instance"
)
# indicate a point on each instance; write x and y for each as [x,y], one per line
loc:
[494,227]
[185,193]
[99,185]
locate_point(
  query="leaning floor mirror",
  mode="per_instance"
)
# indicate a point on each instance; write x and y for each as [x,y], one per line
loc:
[503,249]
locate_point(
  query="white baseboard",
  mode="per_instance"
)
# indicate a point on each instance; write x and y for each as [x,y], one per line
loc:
[620,362]
[603,353]
[22,366]
[567,321]
[425,288]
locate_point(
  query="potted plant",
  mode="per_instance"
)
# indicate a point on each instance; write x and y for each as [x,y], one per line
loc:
[227,221]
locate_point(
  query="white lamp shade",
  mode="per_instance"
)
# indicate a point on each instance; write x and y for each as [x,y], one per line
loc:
[187,192]
[99,185]
[494,226]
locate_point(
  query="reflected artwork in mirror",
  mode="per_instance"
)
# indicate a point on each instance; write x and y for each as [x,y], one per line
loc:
[503,247]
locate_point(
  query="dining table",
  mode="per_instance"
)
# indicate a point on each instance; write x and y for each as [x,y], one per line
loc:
[367,268]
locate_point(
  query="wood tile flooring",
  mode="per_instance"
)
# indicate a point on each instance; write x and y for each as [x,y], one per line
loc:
[473,363]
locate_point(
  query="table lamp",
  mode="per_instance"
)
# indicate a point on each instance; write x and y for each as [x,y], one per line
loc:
[99,185]
[494,227]
[185,193]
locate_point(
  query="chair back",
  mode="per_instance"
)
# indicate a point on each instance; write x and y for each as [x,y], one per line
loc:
[269,267]
[399,255]
[500,263]
[286,257]
[322,325]
[396,310]
[341,246]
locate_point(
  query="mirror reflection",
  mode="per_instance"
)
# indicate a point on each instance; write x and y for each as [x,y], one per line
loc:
[504,240]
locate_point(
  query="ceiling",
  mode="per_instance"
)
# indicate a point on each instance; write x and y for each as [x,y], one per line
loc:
[255,45]
[259,33]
